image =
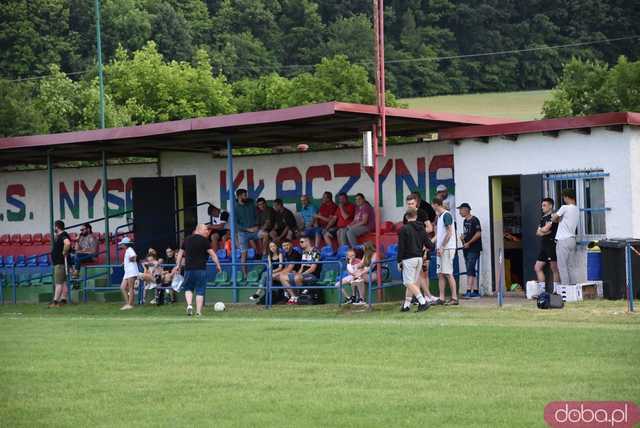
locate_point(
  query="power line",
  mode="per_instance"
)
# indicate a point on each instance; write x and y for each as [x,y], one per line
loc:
[474,55]
[394,61]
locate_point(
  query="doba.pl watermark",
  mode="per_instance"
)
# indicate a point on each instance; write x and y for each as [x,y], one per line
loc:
[592,414]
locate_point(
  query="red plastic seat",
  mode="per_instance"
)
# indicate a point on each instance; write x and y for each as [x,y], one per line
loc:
[399,225]
[15,238]
[26,239]
[46,238]
[387,227]
[5,239]
[37,238]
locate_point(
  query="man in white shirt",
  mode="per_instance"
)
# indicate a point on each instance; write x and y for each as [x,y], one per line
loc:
[130,263]
[446,251]
[567,218]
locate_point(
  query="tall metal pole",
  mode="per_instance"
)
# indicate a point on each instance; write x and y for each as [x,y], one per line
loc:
[378,211]
[100,72]
[378,16]
[232,218]
[51,214]
[105,194]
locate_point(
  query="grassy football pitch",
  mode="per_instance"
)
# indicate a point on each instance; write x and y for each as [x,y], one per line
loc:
[474,365]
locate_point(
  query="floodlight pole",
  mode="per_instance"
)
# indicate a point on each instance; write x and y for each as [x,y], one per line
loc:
[232,218]
[100,71]
[51,214]
[378,25]
[378,211]
[105,194]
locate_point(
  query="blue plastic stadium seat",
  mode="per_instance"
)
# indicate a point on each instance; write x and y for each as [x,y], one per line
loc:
[21,261]
[326,253]
[392,251]
[32,261]
[43,260]
[342,251]
[9,261]
[1,261]
[222,254]
[251,253]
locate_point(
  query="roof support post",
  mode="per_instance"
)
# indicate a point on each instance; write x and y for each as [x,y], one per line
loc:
[105,208]
[232,218]
[378,211]
[51,215]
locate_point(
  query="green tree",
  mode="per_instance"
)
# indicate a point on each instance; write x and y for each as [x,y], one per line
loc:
[33,34]
[169,30]
[242,55]
[351,36]
[153,90]
[18,114]
[589,87]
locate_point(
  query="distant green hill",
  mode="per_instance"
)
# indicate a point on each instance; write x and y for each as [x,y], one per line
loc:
[526,105]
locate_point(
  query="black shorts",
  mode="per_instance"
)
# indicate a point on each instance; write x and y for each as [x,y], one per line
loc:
[547,252]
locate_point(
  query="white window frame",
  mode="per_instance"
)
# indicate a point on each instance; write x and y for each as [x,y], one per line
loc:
[549,180]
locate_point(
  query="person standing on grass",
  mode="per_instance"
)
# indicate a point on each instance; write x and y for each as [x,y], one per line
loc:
[445,250]
[413,201]
[471,239]
[60,259]
[411,241]
[547,233]
[195,250]
[131,271]
[567,218]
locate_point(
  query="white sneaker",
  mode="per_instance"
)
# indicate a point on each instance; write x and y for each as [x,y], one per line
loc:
[360,302]
[189,310]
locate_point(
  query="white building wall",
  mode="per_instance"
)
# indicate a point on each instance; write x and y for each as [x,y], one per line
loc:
[425,164]
[476,161]
[24,207]
[634,167]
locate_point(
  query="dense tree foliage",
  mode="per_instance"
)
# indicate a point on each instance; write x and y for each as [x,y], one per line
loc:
[269,53]
[589,87]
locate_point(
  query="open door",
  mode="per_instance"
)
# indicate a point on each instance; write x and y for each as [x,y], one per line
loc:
[497,228]
[530,197]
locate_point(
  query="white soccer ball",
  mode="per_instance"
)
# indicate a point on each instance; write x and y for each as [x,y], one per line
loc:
[219,307]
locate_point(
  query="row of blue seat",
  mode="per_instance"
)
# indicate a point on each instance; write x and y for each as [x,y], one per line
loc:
[25,261]
[326,252]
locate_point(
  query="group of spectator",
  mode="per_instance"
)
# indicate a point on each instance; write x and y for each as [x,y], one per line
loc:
[258,224]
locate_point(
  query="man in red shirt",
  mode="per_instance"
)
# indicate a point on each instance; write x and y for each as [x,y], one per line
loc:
[323,217]
[341,220]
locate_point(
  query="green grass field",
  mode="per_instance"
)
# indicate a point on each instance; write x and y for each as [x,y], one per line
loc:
[525,105]
[475,365]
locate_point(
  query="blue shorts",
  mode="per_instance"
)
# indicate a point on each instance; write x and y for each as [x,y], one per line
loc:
[471,261]
[306,278]
[195,280]
[244,238]
[312,232]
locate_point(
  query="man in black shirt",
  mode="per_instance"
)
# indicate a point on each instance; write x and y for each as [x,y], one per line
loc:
[285,223]
[413,201]
[411,241]
[195,250]
[265,217]
[60,261]
[547,233]
[471,239]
